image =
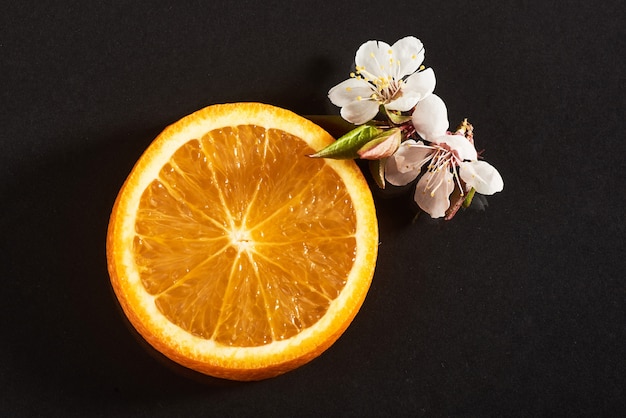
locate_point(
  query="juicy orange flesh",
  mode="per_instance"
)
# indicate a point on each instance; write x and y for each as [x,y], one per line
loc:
[243,239]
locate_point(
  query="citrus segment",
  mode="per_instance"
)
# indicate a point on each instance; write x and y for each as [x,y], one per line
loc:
[234,253]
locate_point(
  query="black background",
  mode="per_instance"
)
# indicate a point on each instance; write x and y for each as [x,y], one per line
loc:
[517,310]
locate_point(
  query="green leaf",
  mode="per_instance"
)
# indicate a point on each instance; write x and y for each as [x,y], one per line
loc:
[377,168]
[347,146]
[397,119]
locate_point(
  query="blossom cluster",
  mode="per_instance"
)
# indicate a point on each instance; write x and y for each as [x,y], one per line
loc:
[412,140]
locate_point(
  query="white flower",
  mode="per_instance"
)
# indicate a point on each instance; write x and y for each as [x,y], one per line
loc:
[450,157]
[385,75]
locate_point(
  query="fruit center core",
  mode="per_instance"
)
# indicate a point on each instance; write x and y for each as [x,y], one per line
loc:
[241,239]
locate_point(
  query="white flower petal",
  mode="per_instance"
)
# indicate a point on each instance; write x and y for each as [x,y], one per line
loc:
[432,192]
[348,91]
[408,54]
[403,103]
[460,144]
[406,163]
[482,176]
[395,176]
[430,117]
[372,59]
[420,84]
[412,155]
[360,111]
[416,88]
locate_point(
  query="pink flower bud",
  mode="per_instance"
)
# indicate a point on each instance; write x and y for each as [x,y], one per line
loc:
[382,146]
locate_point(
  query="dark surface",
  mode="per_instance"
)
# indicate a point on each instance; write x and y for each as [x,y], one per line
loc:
[516,310]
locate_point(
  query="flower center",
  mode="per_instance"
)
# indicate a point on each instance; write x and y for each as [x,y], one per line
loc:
[444,158]
[386,88]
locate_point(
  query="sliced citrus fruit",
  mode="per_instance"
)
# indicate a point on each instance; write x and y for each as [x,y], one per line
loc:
[235,254]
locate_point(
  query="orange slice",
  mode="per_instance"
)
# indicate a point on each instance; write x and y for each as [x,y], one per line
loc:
[235,254]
